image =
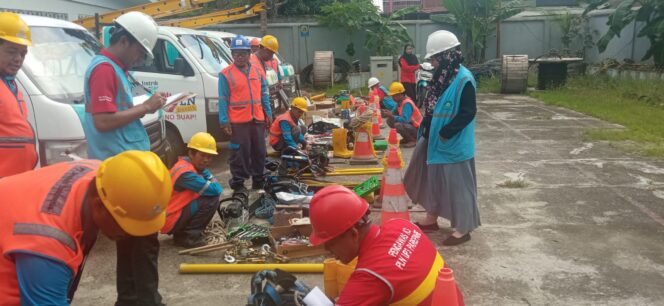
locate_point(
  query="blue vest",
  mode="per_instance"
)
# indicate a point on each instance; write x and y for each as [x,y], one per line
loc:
[388,102]
[461,147]
[102,145]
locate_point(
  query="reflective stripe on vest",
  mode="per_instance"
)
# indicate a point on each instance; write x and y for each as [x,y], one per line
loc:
[275,129]
[179,199]
[416,116]
[244,101]
[45,231]
[17,138]
[57,196]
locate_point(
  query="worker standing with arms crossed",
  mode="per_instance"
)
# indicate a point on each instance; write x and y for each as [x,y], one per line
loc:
[396,263]
[285,131]
[244,114]
[17,138]
[196,193]
[45,240]
[112,125]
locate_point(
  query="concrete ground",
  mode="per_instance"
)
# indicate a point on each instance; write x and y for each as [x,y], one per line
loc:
[565,221]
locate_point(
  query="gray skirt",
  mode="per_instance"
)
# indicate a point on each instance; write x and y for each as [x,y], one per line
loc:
[445,190]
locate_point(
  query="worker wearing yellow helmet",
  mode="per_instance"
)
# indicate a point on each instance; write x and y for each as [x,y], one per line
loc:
[285,131]
[196,193]
[264,56]
[17,138]
[406,118]
[46,238]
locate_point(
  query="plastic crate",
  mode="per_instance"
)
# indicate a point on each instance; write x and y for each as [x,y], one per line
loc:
[367,187]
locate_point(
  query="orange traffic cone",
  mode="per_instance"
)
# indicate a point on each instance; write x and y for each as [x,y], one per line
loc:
[363,152]
[394,199]
[392,138]
[446,293]
[380,117]
[375,127]
[392,142]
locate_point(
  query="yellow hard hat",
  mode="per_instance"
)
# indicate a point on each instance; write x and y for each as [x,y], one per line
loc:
[14,29]
[271,43]
[203,142]
[135,187]
[396,88]
[300,103]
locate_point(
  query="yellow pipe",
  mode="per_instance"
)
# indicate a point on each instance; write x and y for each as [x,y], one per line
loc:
[249,268]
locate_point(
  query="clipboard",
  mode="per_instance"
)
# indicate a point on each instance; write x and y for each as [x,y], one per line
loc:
[171,102]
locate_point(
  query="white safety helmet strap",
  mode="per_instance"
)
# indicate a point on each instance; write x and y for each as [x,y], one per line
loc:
[440,41]
[142,27]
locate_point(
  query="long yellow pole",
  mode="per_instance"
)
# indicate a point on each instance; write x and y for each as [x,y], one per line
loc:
[249,268]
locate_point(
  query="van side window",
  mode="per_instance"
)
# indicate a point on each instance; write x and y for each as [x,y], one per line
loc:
[165,54]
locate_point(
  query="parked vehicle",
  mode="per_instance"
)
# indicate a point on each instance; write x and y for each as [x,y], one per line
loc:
[51,80]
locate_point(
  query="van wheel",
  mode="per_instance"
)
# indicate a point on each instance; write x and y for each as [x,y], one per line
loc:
[176,145]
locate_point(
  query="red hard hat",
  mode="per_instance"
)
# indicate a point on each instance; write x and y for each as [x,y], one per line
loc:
[333,210]
[255,42]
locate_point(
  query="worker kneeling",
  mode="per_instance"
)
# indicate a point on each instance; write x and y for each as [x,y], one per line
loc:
[53,215]
[285,131]
[195,193]
[407,118]
[396,263]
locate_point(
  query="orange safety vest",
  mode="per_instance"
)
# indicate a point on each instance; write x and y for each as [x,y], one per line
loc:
[244,103]
[402,257]
[275,129]
[416,117]
[17,138]
[179,199]
[254,60]
[45,218]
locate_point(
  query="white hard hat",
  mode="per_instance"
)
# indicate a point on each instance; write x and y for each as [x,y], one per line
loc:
[440,41]
[372,82]
[142,27]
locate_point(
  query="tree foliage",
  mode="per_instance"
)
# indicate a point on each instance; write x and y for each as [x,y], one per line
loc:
[302,7]
[385,35]
[648,12]
[476,19]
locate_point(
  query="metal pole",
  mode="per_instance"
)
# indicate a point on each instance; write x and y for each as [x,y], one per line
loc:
[97,33]
[498,31]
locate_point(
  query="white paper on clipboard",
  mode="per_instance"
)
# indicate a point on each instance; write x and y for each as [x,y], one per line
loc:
[170,101]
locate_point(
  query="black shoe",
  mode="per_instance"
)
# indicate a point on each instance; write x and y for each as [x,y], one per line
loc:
[239,188]
[257,185]
[188,243]
[451,240]
[428,228]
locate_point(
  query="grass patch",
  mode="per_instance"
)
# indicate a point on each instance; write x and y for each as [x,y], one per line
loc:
[493,84]
[638,105]
[515,183]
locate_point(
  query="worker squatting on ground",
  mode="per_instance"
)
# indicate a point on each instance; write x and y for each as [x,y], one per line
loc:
[396,262]
[441,174]
[45,239]
[408,117]
[196,193]
[255,44]
[17,138]
[264,56]
[244,114]
[112,125]
[285,131]
[378,94]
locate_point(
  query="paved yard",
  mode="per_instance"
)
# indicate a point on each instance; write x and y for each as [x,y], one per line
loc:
[583,223]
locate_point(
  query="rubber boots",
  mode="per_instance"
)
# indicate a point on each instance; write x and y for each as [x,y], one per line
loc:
[339,145]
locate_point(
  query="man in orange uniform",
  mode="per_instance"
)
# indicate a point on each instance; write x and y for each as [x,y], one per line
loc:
[17,138]
[264,56]
[255,44]
[244,114]
[196,193]
[45,239]
[396,263]
[285,131]
[408,117]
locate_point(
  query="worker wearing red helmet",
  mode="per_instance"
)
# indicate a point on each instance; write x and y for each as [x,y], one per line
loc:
[396,263]
[255,44]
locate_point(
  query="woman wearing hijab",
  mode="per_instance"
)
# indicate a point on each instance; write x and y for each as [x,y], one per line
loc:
[409,64]
[441,174]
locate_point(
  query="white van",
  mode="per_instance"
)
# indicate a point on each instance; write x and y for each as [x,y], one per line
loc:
[51,81]
[187,60]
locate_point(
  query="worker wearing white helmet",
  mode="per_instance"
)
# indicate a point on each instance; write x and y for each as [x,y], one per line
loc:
[112,125]
[378,96]
[445,152]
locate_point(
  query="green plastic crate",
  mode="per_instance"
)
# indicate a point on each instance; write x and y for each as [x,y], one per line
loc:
[380,145]
[367,187]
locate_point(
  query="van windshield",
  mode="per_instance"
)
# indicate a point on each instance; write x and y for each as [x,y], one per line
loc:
[205,51]
[57,60]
